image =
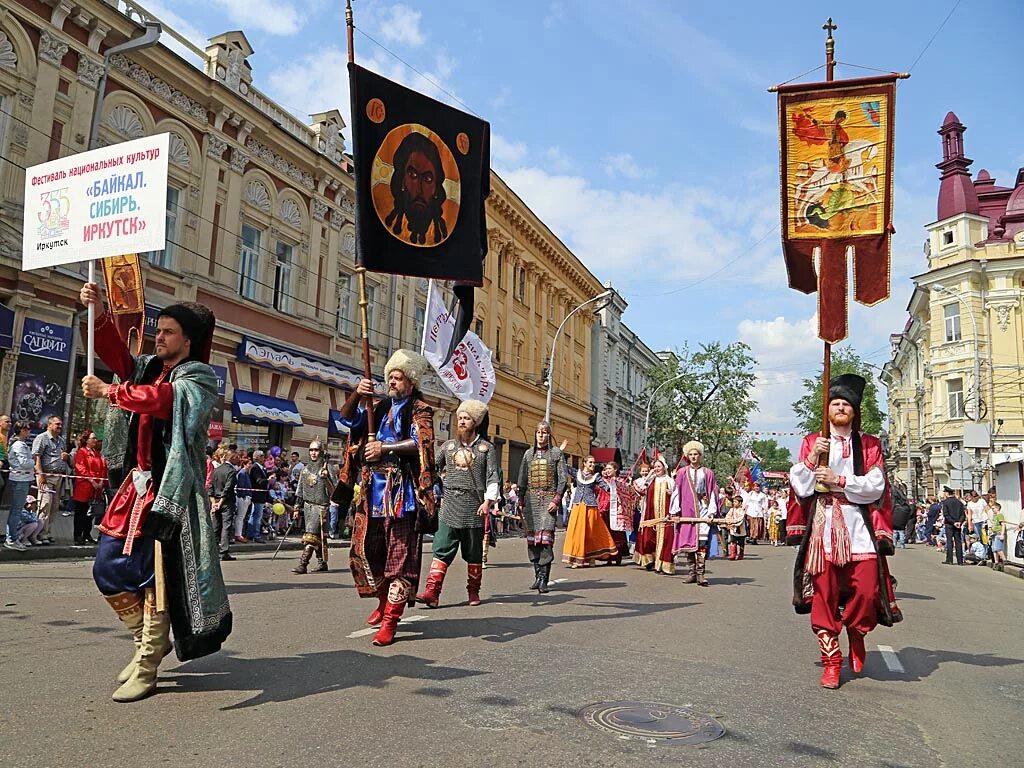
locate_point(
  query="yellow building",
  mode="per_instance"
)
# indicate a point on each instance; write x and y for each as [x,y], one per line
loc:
[955,372]
[260,228]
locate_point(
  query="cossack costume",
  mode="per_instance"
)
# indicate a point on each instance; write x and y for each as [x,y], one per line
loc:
[542,479]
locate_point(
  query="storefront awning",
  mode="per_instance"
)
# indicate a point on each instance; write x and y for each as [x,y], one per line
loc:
[334,426]
[274,410]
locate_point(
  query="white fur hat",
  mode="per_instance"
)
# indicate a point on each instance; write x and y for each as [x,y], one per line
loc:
[410,363]
[475,409]
[693,445]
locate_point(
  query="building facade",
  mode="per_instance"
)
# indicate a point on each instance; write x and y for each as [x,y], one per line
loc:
[621,366]
[955,372]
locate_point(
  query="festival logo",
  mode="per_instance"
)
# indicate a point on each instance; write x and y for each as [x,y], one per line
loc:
[55,205]
[416,186]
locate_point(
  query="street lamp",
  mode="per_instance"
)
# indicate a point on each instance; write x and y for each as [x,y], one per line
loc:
[147,39]
[554,344]
[977,346]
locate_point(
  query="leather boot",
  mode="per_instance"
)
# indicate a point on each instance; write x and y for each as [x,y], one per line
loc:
[732,550]
[128,607]
[393,609]
[431,594]
[536,577]
[857,650]
[831,658]
[156,632]
[692,559]
[377,616]
[545,574]
[321,566]
[739,551]
[700,567]
[304,558]
[473,582]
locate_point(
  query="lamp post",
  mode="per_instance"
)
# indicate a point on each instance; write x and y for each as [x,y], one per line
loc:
[554,344]
[147,39]
[977,346]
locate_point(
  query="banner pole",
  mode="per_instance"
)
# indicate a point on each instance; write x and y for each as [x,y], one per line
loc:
[90,336]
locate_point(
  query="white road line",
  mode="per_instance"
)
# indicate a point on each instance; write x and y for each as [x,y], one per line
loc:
[558,581]
[373,630]
[891,659]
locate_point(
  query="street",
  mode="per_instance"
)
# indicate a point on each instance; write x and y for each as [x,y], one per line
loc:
[502,684]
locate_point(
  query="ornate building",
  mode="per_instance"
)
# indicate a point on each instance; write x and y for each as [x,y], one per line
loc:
[965,316]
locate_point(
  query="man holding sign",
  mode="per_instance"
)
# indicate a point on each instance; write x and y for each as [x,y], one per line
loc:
[157,562]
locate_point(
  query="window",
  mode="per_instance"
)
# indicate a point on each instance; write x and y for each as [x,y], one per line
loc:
[947,238]
[371,312]
[551,306]
[501,270]
[517,356]
[520,286]
[249,262]
[165,258]
[421,316]
[478,327]
[283,278]
[952,315]
[955,398]
[346,300]
[497,344]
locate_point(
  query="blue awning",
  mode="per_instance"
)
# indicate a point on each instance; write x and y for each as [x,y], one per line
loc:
[6,327]
[334,426]
[275,410]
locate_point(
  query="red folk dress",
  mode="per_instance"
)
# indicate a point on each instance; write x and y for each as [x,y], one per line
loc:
[89,464]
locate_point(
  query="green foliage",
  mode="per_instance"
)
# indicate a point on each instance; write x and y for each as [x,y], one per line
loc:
[774,457]
[709,401]
[808,409]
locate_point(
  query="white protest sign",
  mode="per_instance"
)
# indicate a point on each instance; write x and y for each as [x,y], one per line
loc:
[470,372]
[438,328]
[106,202]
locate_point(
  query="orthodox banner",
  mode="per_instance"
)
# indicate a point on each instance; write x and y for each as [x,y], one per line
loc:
[422,176]
[126,297]
[836,143]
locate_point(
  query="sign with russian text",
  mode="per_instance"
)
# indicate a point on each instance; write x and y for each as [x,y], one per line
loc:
[470,372]
[43,339]
[106,202]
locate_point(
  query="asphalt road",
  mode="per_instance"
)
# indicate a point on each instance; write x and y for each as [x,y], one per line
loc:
[502,684]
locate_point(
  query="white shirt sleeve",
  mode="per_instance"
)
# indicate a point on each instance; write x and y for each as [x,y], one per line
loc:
[674,507]
[801,478]
[491,494]
[865,489]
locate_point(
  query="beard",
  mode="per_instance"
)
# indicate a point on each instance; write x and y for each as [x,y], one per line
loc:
[841,419]
[465,435]
[420,213]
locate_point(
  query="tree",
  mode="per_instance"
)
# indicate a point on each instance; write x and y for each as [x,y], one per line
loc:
[844,360]
[774,457]
[709,401]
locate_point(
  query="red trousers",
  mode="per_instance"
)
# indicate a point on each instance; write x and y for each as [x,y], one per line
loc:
[858,580]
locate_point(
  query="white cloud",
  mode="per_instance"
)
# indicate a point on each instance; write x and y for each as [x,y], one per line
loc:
[623,164]
[400,24]
[184,28]
[276,17]
[505,153]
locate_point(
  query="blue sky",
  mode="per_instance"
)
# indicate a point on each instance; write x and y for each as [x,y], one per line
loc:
[643,135]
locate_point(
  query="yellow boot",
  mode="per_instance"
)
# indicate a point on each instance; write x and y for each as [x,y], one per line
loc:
[156,632]
[128,607]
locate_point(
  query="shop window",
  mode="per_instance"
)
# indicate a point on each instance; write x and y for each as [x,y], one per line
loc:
[283,278]
[165,258]
[249,262]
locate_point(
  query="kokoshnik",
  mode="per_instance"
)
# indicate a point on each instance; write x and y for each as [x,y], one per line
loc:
[542,477]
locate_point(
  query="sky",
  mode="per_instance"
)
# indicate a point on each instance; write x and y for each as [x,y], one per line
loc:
[643,135]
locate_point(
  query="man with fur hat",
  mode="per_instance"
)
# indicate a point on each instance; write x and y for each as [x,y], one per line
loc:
[395,464]
[313,497]
[468,468]
[157,562]
[837,514]
[542,478]
[696,496]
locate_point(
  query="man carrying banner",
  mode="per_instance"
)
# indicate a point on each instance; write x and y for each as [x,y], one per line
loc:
[157,562]
[396,476]
[542,479]
[312,497]
[844,532]
[468,467]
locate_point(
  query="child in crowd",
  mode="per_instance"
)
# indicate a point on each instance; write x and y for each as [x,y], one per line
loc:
[997,532]
[31,524]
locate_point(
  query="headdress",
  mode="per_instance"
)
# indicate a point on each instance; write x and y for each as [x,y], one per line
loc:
[413,365]
[693,445]
[197,322]
[475,409]
[848,387]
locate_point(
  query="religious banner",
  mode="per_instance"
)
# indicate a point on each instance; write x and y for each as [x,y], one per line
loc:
[126,298]
[836,143]
[422,176]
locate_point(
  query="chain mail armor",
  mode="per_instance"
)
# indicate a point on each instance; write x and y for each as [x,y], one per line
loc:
[542,479]
[467,471]
[313,488]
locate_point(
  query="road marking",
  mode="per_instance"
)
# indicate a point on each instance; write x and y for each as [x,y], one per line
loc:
[891,659]
[558,581]
[373,630]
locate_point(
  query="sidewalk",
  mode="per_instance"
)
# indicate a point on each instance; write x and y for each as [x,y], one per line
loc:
[87,552]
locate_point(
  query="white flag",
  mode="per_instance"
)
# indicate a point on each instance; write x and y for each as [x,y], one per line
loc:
[470,373]
[438,328]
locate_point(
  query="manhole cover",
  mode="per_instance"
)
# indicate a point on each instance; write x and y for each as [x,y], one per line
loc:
[653,722]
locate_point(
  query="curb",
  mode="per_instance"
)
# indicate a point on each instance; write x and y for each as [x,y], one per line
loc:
[78,552]
[1009,570]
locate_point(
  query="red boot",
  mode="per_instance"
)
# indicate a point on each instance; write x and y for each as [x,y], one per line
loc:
[377,616]
[739,551]
[476,577]
[393,610]
[857,650]
[431,594]
[831,658]
[732,551]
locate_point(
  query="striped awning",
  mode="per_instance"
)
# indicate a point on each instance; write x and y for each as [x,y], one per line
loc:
[272,410]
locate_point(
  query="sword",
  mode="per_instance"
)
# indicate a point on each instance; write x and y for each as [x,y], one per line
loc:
[289,530]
